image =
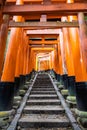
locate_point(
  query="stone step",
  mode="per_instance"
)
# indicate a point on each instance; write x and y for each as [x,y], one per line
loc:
[43,82]
[43,102]
[43,89]
[42,85]
[42,128]
[43,92]
[39,86]
[43,96]
[44,120]
[46,109]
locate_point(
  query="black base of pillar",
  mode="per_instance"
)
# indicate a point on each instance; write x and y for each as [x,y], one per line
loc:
[65,81]
[48,70]
[6,95]
[27,77]
[71,85]
[16,85]
[61,79]
[81,96]
[58,77]
[22,80]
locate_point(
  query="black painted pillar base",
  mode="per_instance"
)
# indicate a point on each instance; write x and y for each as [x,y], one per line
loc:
[27,77]
[58,77]
[71,85]
[64,80]
[6,95]
[22,81]
[81,96]
[16,85]
[52,72]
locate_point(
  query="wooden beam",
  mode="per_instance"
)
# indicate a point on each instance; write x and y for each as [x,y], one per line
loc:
[43,42]
[41,46]
[44,32]
[42,25]
[61,9]
[43,36]
[42,0]
[2,2]
[42,49]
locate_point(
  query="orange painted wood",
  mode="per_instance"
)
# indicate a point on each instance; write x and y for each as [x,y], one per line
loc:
[1,19]
[30,60]
[44,32]
[10,61]
[3,37]
[83,39]
[43,25]
[44,42]
[27,62]
[68,51]
[60,60]
[19,63]
[56,59]
[22,55]
[75,48]
[62,49]
[42,0]
[25,53]
[60,9]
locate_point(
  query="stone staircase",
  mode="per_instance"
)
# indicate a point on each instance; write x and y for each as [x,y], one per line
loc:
[43,110]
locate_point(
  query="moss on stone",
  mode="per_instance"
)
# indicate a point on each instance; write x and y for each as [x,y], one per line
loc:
[64,92]
[71,98]
[6,113]
[26,87]
[22,92]
[82,114]
[5,118]
[61,86]
[57,83]
[27,83]
[17,98]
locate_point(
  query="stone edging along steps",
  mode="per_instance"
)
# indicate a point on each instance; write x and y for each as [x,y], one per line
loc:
[43,107]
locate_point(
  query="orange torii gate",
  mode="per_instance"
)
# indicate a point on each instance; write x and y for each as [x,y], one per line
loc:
[19,61]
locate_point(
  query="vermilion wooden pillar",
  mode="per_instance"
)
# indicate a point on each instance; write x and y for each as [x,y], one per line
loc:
[60,60]
[0,18]
[25,71]
[81,87]
[10,61]
[52,59]
[68,54]
[50,62]
[83,40]
[27,65]
[8,75]
[19,55]
[68,60]
[36,68]
[79,60]
[75,50]
[31,63]
[75,47]
[34,61]
[63,76]
[19,63]
[3,37]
